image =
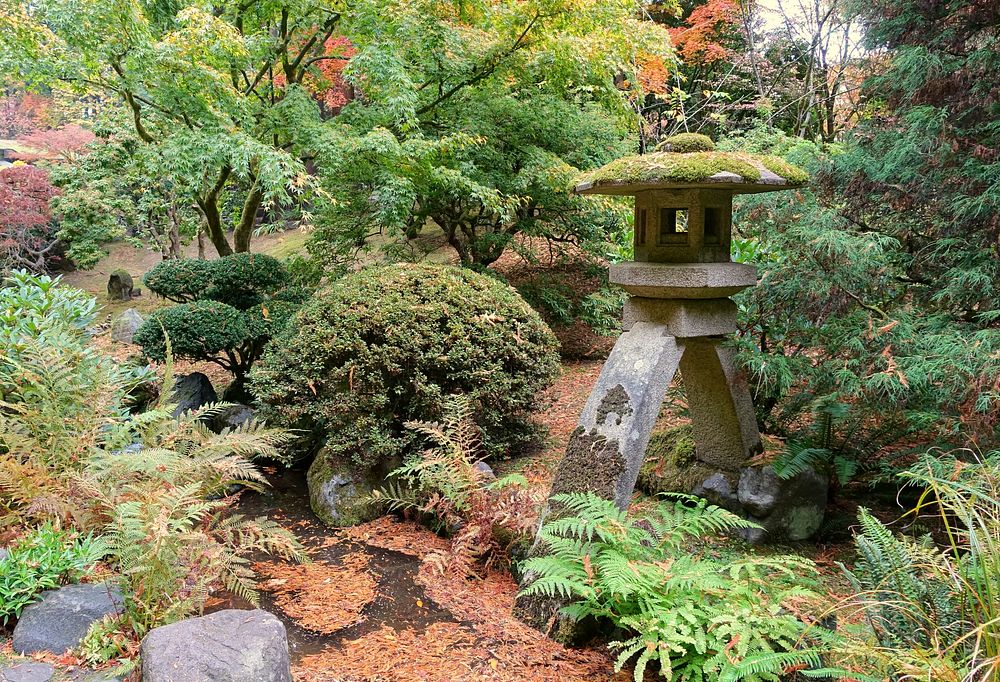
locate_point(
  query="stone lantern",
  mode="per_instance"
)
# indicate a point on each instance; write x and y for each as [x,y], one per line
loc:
[677,315]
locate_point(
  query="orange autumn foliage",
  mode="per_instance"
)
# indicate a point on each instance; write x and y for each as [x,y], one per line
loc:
[653,74]
[700,40]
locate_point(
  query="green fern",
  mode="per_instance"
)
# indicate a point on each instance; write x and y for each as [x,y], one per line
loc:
[698,618]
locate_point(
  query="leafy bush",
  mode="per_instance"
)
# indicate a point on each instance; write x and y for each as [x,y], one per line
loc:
[57,394]
[229,309]
[42,560]
[38,305]
[386,345]
[244,279]
[445,482]
[847,338]
[699,617]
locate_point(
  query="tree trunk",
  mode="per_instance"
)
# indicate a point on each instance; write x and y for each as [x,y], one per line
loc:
[248,219]
[201,243]
[174,235]
[213,225]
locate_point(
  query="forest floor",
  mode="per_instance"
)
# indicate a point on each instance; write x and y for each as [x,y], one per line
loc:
[372,604]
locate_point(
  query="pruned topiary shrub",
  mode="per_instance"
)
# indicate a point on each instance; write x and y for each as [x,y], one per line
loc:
[181,280]
[229,309]
[386,345]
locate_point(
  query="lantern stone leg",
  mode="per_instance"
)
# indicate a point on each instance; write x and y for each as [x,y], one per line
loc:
[607,448]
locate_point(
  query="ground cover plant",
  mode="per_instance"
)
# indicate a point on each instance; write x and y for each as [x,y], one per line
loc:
[42,560]
[696,617]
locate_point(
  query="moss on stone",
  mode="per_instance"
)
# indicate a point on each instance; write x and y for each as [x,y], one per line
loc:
[670,465]
[686,142]
[777,165]
[672,167]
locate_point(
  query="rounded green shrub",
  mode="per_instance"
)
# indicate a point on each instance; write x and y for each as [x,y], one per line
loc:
[242,279]
[686,142]
[181,280]
[386,345]
[229,310]
[199,330]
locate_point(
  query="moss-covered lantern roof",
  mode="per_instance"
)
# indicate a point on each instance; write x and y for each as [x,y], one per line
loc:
[691,161]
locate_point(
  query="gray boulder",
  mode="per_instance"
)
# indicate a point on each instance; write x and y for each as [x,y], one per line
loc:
[124,326]
[27,672]
[59,621]
[227,646]
[789,509]
[340,491]
[718,489]
[191,391]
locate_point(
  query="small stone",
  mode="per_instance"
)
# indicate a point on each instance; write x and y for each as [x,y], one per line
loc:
[718,490]
[123,328]
[27,672]
[3,554]
[59,621]
[226,646]
[485,471]
[191,391]
[232,417]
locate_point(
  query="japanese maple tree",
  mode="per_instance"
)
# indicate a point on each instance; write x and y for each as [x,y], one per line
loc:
[26,234]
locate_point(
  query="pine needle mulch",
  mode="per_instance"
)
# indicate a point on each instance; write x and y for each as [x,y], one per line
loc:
[521,652]
[399,536]
[487,643]
[319,597]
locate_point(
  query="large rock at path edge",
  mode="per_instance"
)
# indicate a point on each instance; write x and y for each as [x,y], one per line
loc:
[191,391]
[226,646]
[340,491]
[789,509]
[60,620]
[124,326]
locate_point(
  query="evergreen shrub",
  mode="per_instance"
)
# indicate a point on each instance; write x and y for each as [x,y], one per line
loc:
[229,309]
[388,345]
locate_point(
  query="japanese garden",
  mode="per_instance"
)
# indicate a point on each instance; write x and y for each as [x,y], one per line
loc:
[501,340]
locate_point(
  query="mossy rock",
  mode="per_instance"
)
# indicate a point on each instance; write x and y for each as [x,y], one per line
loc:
[670,465]
[340,492]
[120,285]
[686,143]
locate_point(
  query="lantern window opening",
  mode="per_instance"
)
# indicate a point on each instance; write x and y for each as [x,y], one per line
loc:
[673,226]
[642,226]
[713,226]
